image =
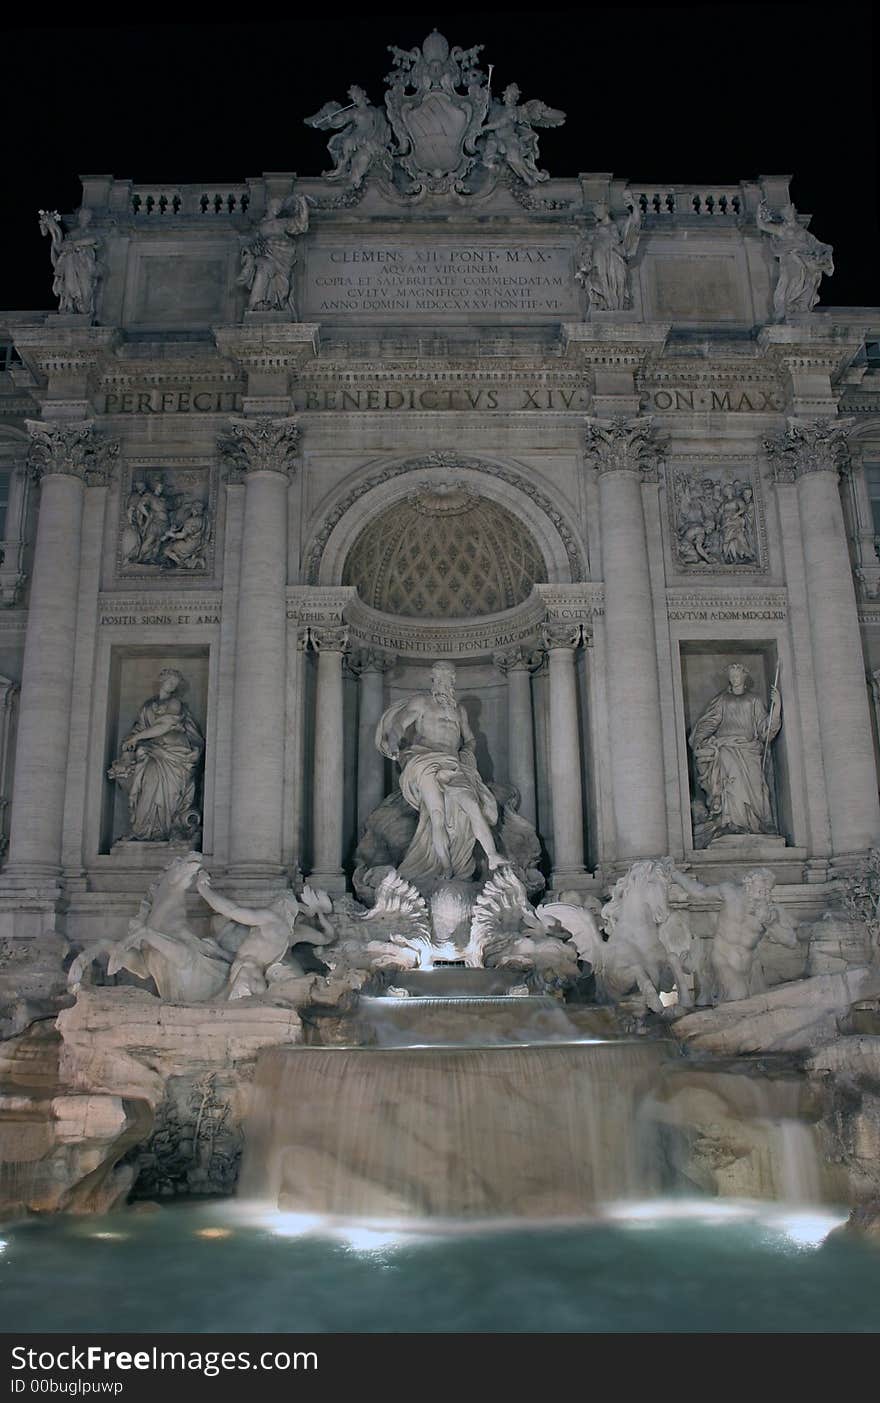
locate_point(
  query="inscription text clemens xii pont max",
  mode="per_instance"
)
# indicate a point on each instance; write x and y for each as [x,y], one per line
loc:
[409,278]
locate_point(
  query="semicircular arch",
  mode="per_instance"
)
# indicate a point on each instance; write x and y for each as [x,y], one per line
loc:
[379,488]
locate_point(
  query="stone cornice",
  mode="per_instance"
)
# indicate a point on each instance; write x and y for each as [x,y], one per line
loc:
[270,346]
[49,349]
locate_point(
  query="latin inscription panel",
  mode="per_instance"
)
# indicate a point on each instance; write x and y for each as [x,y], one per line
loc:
[394,279]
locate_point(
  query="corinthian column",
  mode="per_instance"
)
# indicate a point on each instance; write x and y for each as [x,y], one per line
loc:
[65,457]
[371,667]
[622,450]
[262,450]
[813,451]
[329,759]
[561,640]
[517,667]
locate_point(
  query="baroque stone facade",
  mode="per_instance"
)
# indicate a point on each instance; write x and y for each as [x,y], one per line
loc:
[297,438]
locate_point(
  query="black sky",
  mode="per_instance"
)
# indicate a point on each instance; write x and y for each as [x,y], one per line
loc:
[709,93]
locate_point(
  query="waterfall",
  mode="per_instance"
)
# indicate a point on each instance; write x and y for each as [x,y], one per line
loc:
[527,1131]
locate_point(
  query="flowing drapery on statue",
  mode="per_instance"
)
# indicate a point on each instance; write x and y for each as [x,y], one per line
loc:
[158,766]
[728,741]
[430,735]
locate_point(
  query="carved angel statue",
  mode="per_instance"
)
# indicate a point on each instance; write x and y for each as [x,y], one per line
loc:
[74,258]
[606,251]
[803,261]
[507,135]
[269,255]
[362,137]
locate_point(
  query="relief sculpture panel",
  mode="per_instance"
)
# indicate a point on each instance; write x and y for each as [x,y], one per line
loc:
[716,518]
[166,525]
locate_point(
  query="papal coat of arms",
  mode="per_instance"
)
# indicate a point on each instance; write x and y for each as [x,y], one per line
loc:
[447,131]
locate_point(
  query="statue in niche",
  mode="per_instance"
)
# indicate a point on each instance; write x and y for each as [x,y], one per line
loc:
[362,138]
[507,136]
[747,915]
[269,255]
[731,742]
[167,530]
[158,767]
[75,261]
[803,261]
[430,735]
[606,252]
[715,522]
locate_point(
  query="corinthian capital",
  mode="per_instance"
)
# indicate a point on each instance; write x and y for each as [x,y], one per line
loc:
[329,638]
[622,445]
[562,634]
[809,446]
[260,445]
[72,448]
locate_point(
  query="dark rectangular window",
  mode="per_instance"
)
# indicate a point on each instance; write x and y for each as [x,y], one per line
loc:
[4,502]
[872,477]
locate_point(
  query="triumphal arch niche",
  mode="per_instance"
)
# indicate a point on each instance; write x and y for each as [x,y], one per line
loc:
[289,443]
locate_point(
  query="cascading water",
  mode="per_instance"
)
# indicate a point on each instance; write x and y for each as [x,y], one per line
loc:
[537,1131]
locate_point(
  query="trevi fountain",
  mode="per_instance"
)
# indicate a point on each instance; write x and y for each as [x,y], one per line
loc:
[440,637]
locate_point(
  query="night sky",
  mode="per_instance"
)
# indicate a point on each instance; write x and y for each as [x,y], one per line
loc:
[663,94]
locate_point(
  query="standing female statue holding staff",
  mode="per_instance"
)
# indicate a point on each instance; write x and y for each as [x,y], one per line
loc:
[158,766]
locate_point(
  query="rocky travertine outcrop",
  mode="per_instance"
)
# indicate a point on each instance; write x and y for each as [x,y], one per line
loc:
[790,1018]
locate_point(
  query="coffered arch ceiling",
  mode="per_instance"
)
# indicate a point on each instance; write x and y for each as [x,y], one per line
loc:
[444,551]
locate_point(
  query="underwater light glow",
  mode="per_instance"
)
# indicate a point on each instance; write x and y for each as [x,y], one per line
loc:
[213,1232]
[110,1236]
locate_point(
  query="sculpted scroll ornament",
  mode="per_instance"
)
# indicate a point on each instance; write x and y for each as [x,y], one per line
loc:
[75,261]
[623,445]
[803,261]
[809,446]
[75,449]
[261,444]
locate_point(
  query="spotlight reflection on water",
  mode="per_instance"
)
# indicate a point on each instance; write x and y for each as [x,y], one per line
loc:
[807,1227]
[804,1226]
[110,1236]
